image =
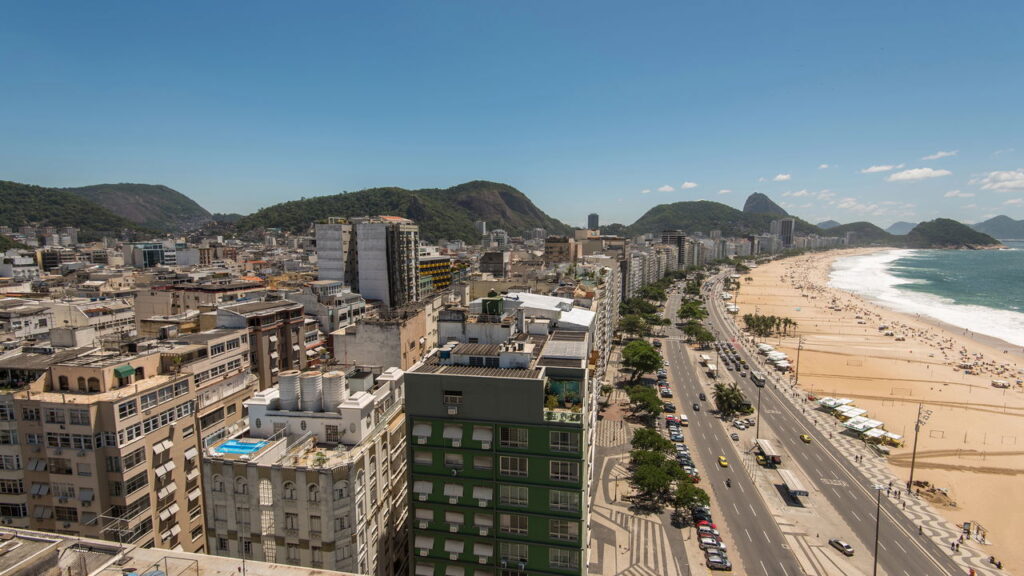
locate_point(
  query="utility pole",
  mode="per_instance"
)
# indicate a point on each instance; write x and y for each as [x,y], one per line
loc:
[922,417]
[799,347]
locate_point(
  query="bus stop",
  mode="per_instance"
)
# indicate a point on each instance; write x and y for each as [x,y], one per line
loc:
[771,454]
[794,485]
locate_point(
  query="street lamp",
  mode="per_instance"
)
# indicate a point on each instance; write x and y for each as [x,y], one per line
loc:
[878,517]
[757,427]
[799,347]
[922,417]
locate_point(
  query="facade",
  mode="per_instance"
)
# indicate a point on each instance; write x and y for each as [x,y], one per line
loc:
[277,335]
[497,264]
[110,319]
[499,452]
[329,301]
[18,267]
[593,222]
[559,249]
[319,479]
[20,318]
[396,340]
[334,249]
[170,299]
[388,260]
[437,271]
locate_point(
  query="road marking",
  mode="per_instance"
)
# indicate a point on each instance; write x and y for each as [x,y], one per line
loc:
[901,546]
[784,571]
[762,566]
[748,535]
[883,546]
[752,509]
[766,536]
[855,515]
[737,509]
[741,488]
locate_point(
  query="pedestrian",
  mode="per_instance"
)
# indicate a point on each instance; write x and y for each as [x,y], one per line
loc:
[958,547]
[920,531]
[904,505]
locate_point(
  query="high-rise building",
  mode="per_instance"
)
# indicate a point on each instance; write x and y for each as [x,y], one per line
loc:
[500,445]
[388,260]
[334,250]
[481,227]
[276,335]
[786,228]
[319,479]
[593,223]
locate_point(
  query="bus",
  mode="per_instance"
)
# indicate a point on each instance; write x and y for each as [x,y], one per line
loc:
[757,378]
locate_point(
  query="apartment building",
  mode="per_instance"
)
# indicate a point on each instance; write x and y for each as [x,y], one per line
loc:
[319,478]
[110,319]
[170,299]
[277,335]
[500,441]
[21,318]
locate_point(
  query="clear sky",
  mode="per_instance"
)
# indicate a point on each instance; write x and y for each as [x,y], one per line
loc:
[871,110]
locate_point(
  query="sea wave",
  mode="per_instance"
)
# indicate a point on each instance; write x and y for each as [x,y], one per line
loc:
[870,276]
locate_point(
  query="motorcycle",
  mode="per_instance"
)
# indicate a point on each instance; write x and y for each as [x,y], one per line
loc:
[728,483]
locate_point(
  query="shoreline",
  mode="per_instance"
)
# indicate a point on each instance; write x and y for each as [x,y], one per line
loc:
[972,447]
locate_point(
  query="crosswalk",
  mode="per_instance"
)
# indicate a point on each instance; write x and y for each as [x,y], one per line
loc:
[614,432]
[650,552]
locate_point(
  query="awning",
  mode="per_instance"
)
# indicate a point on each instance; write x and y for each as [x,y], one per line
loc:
[483,493]
[483,434]
[166,490]
[424,569]
[483,549]
[162,471]
[425,514]
[85,494]
[124,371]
[43,512]
[165,514]
[310,353]
[454,546]
[422,487]
[273,338]
[175,530]
[191,453]
[195,494]
[454,571]
[159,447]
[455,517]
[40,489]
[875,433]
[421,430]
[424,542]
[192,474]
[483,521]
[37,464]
[452,432]
[453,490]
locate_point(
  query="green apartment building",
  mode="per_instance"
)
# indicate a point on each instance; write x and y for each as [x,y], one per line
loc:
[499,457]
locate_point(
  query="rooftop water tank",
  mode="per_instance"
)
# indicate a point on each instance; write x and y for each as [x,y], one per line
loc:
[288,384]
[311,385]
[335,390]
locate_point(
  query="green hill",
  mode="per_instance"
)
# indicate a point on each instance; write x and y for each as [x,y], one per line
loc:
[758,203]
[864,233]
[151,206]
[1001,227]
[705,216]
[441,213]
[827,224]
[946,233]
[24,204]
[900,228]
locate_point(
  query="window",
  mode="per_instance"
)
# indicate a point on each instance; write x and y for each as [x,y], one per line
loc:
[197,533]
[222,544]
[453,461]
[65,514]
[483,463]
[565,442]
[314,523]
[289,491]
[218,483]
[11,487]
[564,501]
[318,556]
[188,431]
[79,416]
[220,512]
[515,552]
[331,433]
[246,546]
[8,437]
[423,458]
[291,521]
[565,471]
[514,495]
[217,349]
[136,482]
[10,462]
[452,397]
[515,523]
[232,408]
[564,530]
[514,437]
[293,552]
[84,469]
[512,466]
[134,458]
[562,558]
[6,412]
[313,493]
[81,384]
[269,550]
[241,486]
[266,493]
[54,416]
[30,414]
[63,383]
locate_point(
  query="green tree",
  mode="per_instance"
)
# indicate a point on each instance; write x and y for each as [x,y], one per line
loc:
[688,495]
[651,481]
[728,399]
[639,458]
[645,399]
[692,310]
[650,440]
[633,324]
[641,357]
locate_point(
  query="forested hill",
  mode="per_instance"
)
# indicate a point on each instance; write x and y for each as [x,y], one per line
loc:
[946,233]
[441,213]
[151,206]
[705,216]
[24,204]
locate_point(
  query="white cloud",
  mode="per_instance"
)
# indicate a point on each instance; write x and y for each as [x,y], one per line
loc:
[1002,180]
[1014,201]
[782,178]
[666,188]
[915,174]
[940,154]
[881,168]
[826,194]
[823,166]
[798,193]
[687,185]
[725,191]
[761,179]
[958,194]
[970,206]
[645,191]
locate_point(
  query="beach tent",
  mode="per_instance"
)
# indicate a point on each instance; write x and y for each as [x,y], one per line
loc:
[874,434]
[893,439]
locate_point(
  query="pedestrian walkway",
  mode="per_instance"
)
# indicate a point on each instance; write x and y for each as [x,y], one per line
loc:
[614,432]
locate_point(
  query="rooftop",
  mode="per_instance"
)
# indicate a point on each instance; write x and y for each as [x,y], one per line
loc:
[431,365]
[205,337]
[35,361]
[262,307]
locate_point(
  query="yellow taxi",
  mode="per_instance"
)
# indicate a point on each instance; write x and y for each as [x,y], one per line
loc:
[723,462]
[805,438]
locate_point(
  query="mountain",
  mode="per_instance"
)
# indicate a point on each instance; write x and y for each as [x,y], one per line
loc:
[828,224]
[705,216]
[900,228]
[447,213]
[1001,227]
[221,218]
[151,206]
[24,204]
[758,203]
[946,233]
[864,233]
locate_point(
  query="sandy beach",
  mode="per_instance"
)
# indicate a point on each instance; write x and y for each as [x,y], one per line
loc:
[972,446]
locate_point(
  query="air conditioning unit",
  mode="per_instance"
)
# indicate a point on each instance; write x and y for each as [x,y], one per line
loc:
[455,471]
[456,443]
[522,565]
[423,497]
[453,556]
[453,410]
[421,440]
[484,503]
[485,445]
[424,524]
[504,562]
[424,551]
[454,528]
[453,500]
[484,531]
[484,559]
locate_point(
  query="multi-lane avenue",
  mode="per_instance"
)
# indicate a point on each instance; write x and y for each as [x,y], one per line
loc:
[901,551]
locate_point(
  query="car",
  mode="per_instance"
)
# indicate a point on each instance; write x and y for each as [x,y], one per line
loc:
[740,426]
[806,439]
[743,373]
[723,462]
[761,461]
[666,364]
[735,437]
[703,396]
[702,530]
[843,547]
[716,562]
[669,407]
[696,407]
[708,542]
[682,447]
[714,551]
[675,436]
[670,419]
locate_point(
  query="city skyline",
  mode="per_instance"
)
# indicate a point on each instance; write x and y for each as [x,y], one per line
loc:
[846,113]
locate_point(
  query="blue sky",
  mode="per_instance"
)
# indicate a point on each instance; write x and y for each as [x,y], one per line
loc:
[835,110]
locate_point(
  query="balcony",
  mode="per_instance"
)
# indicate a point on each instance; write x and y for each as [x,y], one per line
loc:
[563,416]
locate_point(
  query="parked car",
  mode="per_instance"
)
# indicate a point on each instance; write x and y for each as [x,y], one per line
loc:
[669,407]
[843,547]
[707,530]
[716,562]
[735,437]
[707,542]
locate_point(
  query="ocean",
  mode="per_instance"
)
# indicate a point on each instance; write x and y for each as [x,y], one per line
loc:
[980,290]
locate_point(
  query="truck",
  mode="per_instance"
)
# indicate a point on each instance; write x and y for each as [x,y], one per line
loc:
[712,370]
[704,359]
